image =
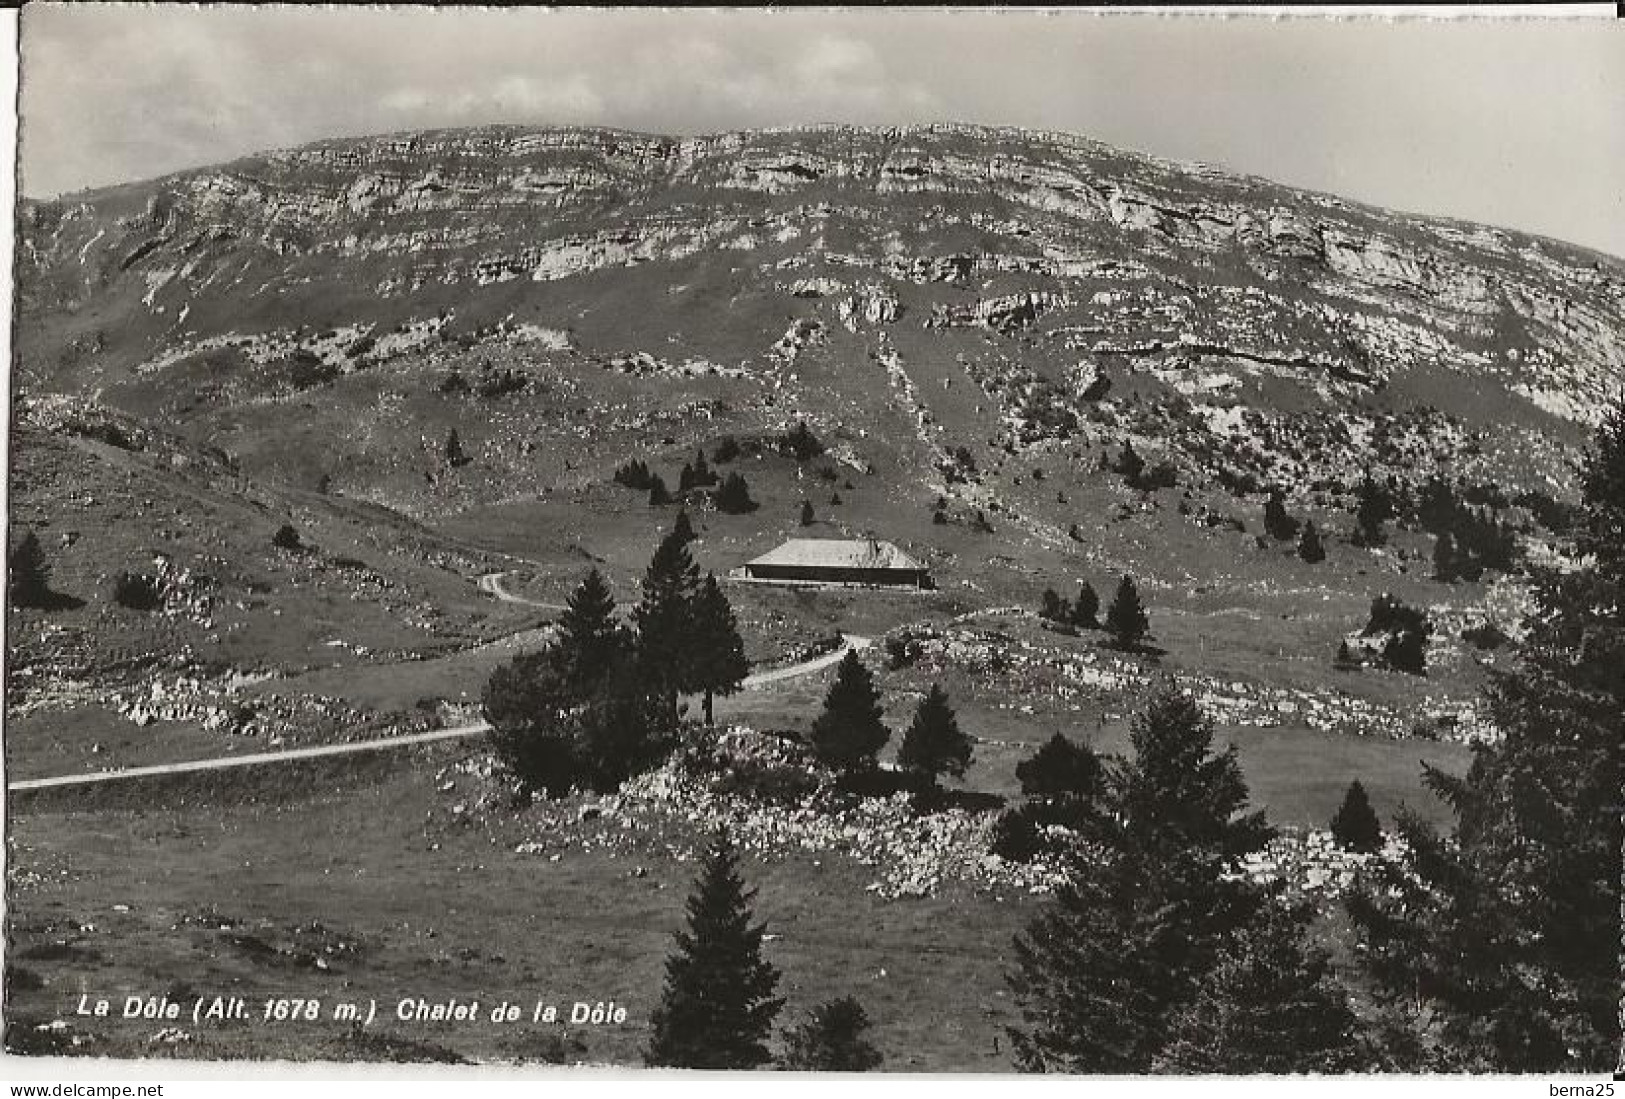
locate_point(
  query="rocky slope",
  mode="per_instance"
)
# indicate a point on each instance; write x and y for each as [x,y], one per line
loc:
[1213,284]
[974,321]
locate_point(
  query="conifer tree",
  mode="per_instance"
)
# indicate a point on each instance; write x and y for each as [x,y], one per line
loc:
[934,744]
[1267,1006]
[658,494]
[1277,523]
[1125,618]
[624,727]
[1053,607]
[28,576]
[1372,509]
[806,513]
[588,633]
[663,617]
[1129,463]
[718,651]
[1446,568]
[454,450]
[734,495]
[1062,768]
[717,1007]
[1147,908]
[682,527]
[1177,793]
[703,477]
[849,734]
[1344,660]
[1497,947]
[832,1040]
[1310,547]
[800,443]
[1356,825]
[1086,608]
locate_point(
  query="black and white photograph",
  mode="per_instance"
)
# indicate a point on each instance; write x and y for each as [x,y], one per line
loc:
[914,541]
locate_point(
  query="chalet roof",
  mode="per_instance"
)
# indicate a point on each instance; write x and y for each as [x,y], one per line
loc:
[839,553]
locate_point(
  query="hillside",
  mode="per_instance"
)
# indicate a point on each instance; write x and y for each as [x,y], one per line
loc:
[429,355]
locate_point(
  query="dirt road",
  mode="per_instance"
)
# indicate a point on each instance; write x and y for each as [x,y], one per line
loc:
[751,682]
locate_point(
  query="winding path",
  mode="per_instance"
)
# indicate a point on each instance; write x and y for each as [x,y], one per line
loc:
[491,584]
[751,682]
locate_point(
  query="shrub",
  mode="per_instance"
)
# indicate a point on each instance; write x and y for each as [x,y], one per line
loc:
[1485,635]
[1016,837]
[902,650]
[1162,475]
[1061,768]
[499,384]
[800,443]
[727,450]
[287,538]
[306,371]
[137,592]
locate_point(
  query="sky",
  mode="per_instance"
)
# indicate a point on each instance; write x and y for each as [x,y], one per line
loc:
[1519,123]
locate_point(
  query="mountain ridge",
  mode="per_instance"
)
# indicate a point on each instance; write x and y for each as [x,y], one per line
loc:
[1197,167]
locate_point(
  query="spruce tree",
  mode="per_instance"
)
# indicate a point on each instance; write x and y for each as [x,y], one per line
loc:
[1053,607]
[663,617]
[1277,523]
[1130,464]
[1494,939]
[832,1040]
[1125,618]
[1372,509]
[806,513]
[717,1007]
[1086,608]
[800,443]
[1356,825]
[454,450]
[703,477]
[734,496]
[1148,906]
[1446,568]
[28,576]
[849,734]
[717,649]
[658,494]
[934,744]
[1344,660]
[1177,793]
[624,727]
[1062,768]
[1267,1006]
[1310,547]
[682,527]
[589,635]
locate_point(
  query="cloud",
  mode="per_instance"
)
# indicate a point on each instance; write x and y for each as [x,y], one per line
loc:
[1514,124]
